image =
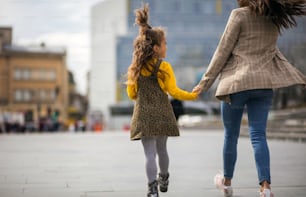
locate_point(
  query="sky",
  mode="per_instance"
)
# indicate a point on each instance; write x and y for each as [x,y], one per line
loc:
[64,23]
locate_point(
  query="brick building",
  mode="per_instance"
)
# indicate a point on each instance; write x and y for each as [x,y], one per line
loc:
[33,79]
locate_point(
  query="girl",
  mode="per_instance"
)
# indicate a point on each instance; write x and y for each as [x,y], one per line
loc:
[250,66]
[150,79]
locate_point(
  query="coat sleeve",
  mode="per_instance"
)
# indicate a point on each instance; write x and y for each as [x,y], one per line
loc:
[223,51]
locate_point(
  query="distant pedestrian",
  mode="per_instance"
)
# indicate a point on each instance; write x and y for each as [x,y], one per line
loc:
[178,107]
[250,65]
[150,79]
[2,123]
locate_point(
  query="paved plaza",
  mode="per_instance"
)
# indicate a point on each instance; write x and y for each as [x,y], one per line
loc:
[108,164]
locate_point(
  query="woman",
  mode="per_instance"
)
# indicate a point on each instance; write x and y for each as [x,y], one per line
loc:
[250,66]
[150,80]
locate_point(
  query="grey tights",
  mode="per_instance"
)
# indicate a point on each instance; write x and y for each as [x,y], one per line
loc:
[152,146]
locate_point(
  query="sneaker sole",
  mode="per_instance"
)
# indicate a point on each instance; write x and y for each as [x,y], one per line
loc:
[163,189]
[153,195]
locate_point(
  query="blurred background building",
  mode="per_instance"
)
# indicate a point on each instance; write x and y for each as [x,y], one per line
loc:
[33,80]
[108,22]
[36,90]
[193,31]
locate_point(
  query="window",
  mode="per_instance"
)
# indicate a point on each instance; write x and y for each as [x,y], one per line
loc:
[197,7]
[22,74]
[209,7]
[35,75]
[42,74]
[53,94]
[23,95]
[17,74]
[121,110]
[52,75]
[26,74]
[42,95]
[26,95]
[177,6]
[18,95]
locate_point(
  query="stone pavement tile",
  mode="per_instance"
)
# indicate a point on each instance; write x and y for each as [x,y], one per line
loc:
[12,178]
[49,192]
[143,194]
[11,192]
[290,191]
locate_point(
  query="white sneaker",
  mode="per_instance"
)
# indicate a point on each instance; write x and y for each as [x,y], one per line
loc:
[219,183]
[266,193]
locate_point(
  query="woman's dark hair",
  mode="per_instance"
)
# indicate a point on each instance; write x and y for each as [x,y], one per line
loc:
[281,12]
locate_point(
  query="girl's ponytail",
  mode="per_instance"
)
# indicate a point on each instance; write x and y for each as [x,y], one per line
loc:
[142,19]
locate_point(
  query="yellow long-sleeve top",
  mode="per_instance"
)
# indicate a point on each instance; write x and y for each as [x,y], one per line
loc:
[167,84]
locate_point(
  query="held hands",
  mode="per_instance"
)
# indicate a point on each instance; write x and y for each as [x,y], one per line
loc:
[197,89]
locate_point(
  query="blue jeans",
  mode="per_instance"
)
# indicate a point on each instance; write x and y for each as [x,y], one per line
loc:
[258,103]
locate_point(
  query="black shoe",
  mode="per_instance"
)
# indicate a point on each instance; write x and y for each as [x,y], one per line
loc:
[163,181]
[152,189]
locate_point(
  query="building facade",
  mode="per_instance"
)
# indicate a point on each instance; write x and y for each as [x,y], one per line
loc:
[33,79]
[108,21]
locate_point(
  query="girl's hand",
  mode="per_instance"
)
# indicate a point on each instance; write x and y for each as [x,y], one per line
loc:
[197,89]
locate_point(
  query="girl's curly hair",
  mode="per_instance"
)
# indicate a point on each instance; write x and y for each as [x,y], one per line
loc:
[143,44]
